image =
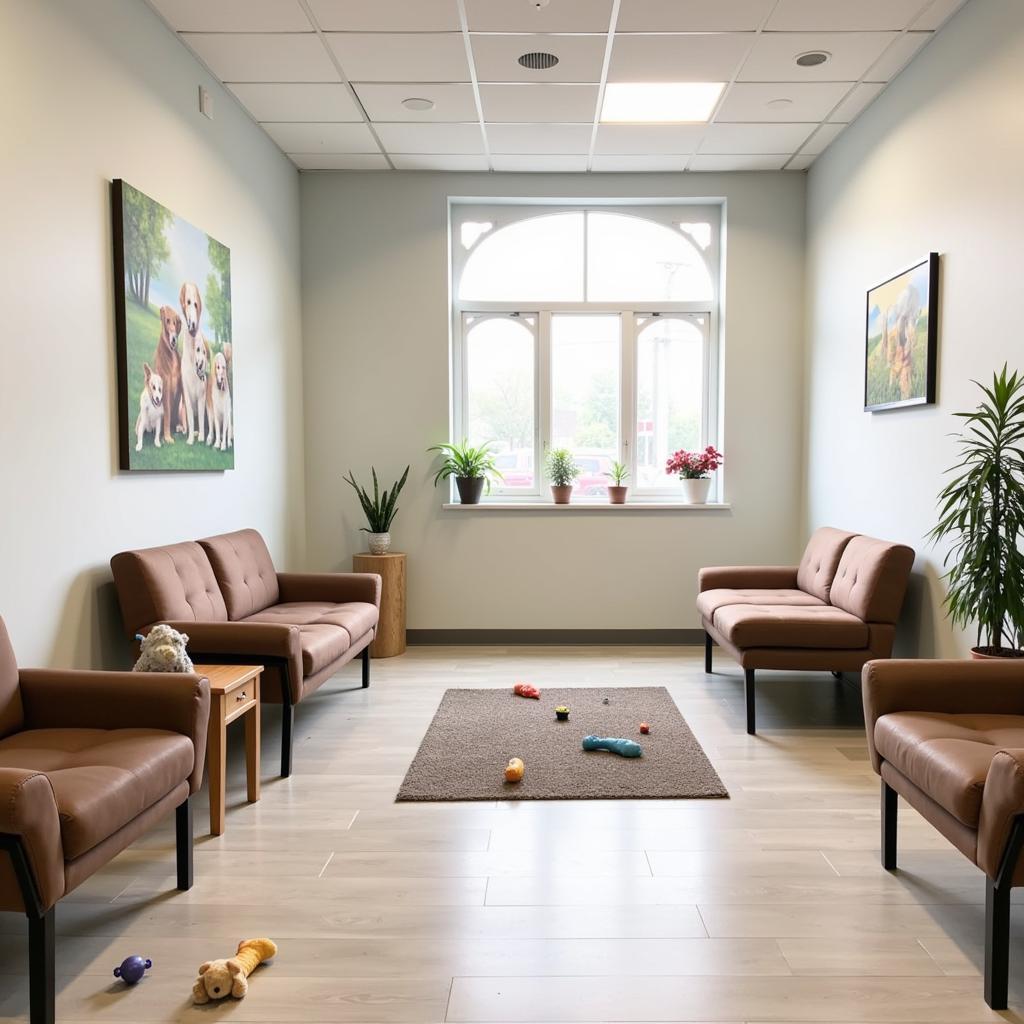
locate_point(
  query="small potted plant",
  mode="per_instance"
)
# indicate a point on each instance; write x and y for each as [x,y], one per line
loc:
[473,469]
[380,510]
[562,470]
[617,489]
[694,470]
[981,510]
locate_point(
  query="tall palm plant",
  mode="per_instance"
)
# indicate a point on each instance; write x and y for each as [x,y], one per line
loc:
[982,511]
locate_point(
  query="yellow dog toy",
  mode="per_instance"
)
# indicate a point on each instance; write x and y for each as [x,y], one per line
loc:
[220,978]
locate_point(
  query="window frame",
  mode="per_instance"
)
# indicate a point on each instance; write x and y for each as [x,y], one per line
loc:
[633,317]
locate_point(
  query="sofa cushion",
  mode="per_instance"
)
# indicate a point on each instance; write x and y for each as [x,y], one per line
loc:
[292,613]
[872,579]
[947,756]
[711,600]
[820,626]
[321,644]
[101,778]
[820,561]
[356,617]
[173,583]
[244,570]
[11,715]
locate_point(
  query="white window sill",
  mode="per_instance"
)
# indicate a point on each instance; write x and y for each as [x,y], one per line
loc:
[586,506]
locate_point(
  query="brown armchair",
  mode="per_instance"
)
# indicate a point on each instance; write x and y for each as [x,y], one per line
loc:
[89,761]
[948,736]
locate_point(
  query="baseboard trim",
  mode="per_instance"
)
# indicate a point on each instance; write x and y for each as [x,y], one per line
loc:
[542,637]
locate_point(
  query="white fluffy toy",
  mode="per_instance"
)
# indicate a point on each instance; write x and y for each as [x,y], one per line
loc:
[163,650]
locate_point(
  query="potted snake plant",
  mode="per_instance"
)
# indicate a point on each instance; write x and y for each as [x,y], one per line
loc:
[618,474]
[472,467]
[380,510]
[981,511]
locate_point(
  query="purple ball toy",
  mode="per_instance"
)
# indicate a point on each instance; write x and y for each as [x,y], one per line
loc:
[132,970]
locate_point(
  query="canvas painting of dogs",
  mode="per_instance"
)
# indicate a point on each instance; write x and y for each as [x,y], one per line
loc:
[175,349]
[902,337]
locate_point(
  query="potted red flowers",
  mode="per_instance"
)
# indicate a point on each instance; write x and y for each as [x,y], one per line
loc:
[693,469]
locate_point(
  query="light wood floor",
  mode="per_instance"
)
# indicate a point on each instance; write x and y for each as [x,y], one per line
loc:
[769,906]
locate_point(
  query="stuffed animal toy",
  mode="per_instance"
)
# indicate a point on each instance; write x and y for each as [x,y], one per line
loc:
[220,978]
[526,690]
[163,650]
[622,747]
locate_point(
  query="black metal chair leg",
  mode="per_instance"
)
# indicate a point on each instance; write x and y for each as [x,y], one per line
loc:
[42,977]
[997,944]
[890,805]
[183,843]
[748,686]
[366,666]
[707,652]
[287,723]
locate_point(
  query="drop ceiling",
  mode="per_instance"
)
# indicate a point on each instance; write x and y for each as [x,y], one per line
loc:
[327,79]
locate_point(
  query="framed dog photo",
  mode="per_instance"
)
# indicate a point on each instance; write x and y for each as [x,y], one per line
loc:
[902,338]
[172,306]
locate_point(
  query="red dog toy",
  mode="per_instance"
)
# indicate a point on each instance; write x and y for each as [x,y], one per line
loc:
[645,728]
[526,690]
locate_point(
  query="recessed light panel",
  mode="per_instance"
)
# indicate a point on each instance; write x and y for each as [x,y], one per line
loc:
[659,102]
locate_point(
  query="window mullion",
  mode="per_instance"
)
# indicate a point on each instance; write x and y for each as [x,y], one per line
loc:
[627,392]
[543,439]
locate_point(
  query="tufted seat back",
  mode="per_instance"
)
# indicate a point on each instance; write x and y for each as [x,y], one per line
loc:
[871,580]
[820,561]
[244,570]
[170,583]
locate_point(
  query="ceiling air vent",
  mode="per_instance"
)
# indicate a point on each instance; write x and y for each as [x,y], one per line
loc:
[538,61]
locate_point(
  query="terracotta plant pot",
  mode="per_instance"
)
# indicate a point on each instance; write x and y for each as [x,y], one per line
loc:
[561,494]
[470,489]
[617,495]
[995,653]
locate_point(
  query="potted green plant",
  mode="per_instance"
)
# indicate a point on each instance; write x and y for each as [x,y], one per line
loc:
[380,510]
[617,489]
[472,467]
[561,470]
[981,510]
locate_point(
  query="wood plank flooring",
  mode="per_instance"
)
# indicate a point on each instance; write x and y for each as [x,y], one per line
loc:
[769,906]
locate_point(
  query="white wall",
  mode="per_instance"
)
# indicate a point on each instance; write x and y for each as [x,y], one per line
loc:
[90,92]
[935,164]
[376,327]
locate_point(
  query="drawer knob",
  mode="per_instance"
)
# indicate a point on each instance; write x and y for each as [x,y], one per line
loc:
[241,696]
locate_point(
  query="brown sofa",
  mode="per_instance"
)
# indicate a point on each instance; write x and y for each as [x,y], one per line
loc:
[225,593]
[833,612]
[948,736]
[89,761]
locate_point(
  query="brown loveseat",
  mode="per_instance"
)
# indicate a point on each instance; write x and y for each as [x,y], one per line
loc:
[833,612]
[225,593]
[88,762]
[948,736]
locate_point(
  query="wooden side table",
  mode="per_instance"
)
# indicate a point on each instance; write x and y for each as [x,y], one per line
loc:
[234,691]
[390,639]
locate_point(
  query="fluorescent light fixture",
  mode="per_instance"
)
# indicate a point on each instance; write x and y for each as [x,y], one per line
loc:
[659,102]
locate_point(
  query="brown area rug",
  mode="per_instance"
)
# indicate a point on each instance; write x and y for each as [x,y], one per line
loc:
[475,732]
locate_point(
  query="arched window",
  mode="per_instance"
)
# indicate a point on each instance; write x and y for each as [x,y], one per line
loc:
[592,328]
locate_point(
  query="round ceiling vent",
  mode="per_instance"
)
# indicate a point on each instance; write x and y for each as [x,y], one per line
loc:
[418,103]
[812,58]
[538,61]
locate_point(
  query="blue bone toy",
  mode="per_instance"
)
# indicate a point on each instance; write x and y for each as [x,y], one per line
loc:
[625,748]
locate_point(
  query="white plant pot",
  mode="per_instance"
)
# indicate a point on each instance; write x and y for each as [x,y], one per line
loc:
[379,543]
[695,492]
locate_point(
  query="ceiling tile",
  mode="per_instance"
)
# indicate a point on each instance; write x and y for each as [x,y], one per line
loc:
[643,139]
[539,138]
[263,57]
[773,58]
[560,16]
[452,102]
[754,138]
[297,101]
[431,138]
[713,57]
[938,14]
[736,163]
[321,137]
[693,15]
[898,56]
[801,162]
[842,15]
[633,164]
[339,161]
[860,96]
[822,139]
[398,57]
[435,162]
[760,101]
[580,58]
[534,103]
[234,15]
[386,15]
[542,164]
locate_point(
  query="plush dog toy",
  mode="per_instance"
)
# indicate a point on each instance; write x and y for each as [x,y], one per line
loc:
[163,650]
[220,978]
